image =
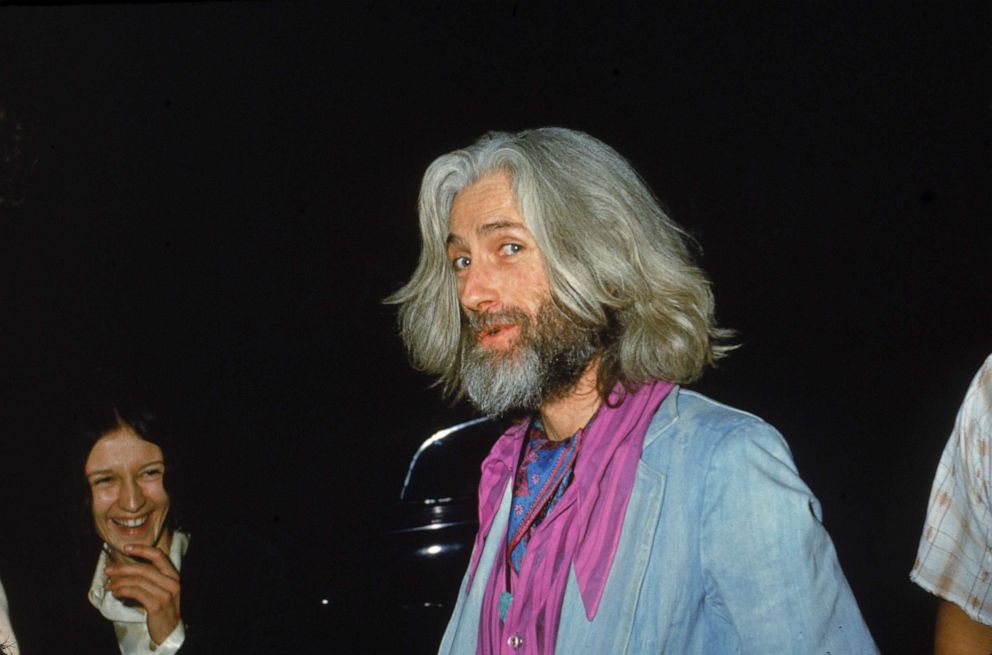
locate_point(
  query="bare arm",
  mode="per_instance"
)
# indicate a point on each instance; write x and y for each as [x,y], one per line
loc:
[958,634]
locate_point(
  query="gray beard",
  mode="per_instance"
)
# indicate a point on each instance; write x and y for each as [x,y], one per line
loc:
[550,355]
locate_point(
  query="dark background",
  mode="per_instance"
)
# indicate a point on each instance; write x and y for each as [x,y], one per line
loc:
[224,192]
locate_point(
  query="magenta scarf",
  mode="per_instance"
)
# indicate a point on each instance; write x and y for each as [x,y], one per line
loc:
[581,531]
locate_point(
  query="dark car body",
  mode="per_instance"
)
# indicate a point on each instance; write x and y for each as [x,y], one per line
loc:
[432,529]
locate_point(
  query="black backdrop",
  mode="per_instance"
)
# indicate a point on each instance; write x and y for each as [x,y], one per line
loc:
[224,192]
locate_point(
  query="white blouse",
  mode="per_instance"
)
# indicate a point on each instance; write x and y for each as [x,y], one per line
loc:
[130,623]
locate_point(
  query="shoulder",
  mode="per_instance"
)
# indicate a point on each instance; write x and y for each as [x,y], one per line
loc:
[691,420]
[703,410]
[977,404]
[233,560]
[230,571]
[984,376]
[233,546]
[966,454]
[703,446]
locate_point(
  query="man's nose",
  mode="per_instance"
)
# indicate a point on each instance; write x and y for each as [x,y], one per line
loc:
[131,496]
[478,288]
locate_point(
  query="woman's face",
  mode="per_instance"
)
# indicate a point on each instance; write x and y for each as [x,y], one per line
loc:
[126,478]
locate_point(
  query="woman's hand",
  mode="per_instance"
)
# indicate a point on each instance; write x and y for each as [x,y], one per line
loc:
[153,585]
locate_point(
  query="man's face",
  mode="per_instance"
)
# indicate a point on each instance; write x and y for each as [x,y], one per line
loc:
[518,349]
[496,260]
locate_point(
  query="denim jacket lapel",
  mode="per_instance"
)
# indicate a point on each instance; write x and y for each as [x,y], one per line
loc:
[620,598]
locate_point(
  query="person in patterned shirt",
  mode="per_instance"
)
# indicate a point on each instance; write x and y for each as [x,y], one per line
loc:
[954,560]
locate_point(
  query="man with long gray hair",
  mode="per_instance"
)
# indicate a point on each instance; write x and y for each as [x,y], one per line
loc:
[621,513]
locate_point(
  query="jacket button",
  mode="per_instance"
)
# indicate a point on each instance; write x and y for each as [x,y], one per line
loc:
[515,642]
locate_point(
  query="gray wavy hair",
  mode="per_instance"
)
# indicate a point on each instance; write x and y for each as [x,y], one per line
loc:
[615,261]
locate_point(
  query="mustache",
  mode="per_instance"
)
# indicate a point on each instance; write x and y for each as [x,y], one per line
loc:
[479,323]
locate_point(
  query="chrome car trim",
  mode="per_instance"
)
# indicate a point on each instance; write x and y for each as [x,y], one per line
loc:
[433,439]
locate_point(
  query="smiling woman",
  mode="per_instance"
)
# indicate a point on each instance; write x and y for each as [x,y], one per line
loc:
[136,584]
[164,586]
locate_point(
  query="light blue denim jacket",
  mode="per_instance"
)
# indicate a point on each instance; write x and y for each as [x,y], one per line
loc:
[722,551]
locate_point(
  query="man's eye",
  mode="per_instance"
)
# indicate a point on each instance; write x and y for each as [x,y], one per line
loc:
[152,473]
[100,482]
[510,248]
[460,263]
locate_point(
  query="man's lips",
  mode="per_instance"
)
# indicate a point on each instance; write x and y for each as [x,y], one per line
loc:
[497,333]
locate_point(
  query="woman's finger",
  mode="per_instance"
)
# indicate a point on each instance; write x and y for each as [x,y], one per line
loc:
[154,556]
[148,577]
